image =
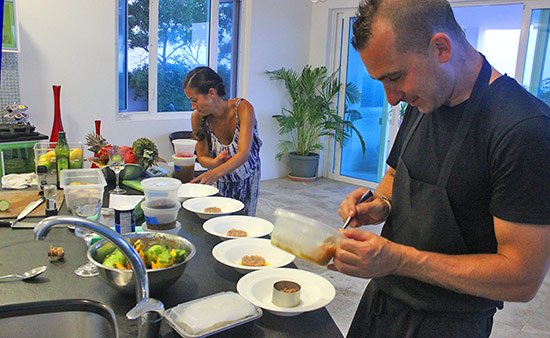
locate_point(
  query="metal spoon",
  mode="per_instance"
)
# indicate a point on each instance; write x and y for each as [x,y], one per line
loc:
[27,274]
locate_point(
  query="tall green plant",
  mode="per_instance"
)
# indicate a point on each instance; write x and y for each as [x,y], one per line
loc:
[312,113]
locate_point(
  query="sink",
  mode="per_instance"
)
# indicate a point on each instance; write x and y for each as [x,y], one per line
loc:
[58,318]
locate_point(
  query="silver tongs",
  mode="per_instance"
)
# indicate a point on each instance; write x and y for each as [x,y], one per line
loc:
[368,194]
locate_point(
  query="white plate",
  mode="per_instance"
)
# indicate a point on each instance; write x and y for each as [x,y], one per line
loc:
[232,251]
[173,231]
[257,287]
[227,205]
[254,226]
[193,190]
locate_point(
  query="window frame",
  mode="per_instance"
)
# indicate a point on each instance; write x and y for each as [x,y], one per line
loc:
[152,113]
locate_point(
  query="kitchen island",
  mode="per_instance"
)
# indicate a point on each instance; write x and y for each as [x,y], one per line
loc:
[203,276]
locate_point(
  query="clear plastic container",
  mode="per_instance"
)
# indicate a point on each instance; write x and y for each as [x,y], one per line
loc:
[85,184]
[161,190]
[184,147]
[304,237]
[160,218]
[44,155]
[213,314]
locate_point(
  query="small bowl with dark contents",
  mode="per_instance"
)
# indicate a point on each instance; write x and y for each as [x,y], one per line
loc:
[286,293]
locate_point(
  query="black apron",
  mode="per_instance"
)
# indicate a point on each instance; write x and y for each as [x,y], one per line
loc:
[422,217]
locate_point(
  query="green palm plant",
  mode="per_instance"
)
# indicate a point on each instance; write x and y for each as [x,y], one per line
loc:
[313,114]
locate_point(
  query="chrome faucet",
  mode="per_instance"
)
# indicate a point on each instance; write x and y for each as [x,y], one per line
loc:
[149,310]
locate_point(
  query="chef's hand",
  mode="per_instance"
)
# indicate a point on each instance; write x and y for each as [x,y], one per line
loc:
[369,212]
[208,177]
[366,255]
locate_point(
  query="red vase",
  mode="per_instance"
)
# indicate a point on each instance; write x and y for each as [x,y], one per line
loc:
[57,123]
[97,134]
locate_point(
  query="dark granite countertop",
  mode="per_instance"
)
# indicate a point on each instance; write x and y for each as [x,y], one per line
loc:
[19,252]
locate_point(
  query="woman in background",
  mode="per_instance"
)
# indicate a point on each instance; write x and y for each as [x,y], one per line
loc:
[227,137]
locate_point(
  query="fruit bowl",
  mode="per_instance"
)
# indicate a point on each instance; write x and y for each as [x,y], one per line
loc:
[131,171]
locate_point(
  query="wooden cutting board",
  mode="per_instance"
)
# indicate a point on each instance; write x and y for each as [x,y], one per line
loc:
[20,198]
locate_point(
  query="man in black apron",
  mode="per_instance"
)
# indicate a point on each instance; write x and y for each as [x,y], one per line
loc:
[466,198]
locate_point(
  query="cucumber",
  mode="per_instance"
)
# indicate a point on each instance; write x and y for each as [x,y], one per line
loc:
[4,205]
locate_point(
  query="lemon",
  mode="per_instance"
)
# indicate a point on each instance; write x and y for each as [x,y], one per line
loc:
[50,154]
[76,154]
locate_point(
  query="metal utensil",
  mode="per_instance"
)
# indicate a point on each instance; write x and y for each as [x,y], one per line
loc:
[27,210]
[27,274]
[368,194]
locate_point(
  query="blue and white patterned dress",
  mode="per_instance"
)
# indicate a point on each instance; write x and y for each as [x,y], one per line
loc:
[242,183]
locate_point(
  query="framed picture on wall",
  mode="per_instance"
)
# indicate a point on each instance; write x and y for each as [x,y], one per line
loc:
[10,29]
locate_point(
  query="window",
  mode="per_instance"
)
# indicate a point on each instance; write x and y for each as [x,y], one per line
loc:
[159,41]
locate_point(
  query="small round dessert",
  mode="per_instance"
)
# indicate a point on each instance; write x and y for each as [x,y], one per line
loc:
[286,293]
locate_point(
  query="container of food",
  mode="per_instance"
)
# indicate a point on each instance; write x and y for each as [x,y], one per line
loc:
[82,186]
[184,147]
[221,312]
[304,237]
[161,191]
[160,218]
[286,293]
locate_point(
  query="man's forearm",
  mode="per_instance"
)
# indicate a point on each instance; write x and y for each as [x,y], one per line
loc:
[514,273]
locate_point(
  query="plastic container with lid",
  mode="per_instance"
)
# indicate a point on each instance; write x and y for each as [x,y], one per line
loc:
[159,190]
[184,147]
[304,237]
[82,184]
[160,218]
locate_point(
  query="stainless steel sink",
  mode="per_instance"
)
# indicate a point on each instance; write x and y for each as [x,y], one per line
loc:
[58,318]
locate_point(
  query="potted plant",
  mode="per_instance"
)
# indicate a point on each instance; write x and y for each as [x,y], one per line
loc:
[312,115]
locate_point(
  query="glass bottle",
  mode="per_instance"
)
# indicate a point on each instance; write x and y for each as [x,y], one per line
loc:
[61,155]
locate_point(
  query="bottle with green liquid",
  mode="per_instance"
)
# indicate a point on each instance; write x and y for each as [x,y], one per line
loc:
[62,153]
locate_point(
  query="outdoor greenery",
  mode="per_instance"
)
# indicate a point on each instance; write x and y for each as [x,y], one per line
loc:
[312,113]
[178,49]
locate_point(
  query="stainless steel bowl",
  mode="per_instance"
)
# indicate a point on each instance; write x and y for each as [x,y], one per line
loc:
[159,279]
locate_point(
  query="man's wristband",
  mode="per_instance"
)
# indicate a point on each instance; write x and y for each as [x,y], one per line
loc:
[387,202]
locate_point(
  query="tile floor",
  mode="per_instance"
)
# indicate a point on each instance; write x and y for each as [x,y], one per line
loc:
[320,200]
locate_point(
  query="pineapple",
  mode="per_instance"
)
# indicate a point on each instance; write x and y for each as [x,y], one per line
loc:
[95,142]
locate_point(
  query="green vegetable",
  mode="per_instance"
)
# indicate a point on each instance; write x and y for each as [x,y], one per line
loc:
[114,258]
[4,205]
[180,254]
[145,151]
[154,251]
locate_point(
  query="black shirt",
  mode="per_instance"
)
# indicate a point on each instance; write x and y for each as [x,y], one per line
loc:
[502,169]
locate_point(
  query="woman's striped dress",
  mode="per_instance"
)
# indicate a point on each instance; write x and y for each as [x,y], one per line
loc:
[242,183]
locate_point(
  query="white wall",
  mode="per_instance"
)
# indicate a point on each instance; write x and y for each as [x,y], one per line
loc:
[276,35]
[73,43]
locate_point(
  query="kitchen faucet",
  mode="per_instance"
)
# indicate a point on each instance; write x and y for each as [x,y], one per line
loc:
[149,310]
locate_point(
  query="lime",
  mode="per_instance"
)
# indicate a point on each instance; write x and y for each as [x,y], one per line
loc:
[4,205]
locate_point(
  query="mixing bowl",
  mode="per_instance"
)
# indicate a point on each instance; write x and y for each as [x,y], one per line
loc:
[159,279]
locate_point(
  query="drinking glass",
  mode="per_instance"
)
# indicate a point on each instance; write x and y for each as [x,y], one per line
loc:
[86,207]
[116,164]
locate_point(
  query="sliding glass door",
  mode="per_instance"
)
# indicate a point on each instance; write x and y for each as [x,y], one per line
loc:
[371,115]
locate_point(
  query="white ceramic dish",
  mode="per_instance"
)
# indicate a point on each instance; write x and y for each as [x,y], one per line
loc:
[193,190]
[256,287]
[232,251]
[254,226]
[173,231]
[227,206]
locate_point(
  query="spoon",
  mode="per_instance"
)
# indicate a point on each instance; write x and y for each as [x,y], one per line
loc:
[27,274]
[368,194]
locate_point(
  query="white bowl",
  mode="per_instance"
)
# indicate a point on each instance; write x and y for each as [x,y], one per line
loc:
[232,251]
[193,190]
[254,226]
[257,286]
[227,206]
